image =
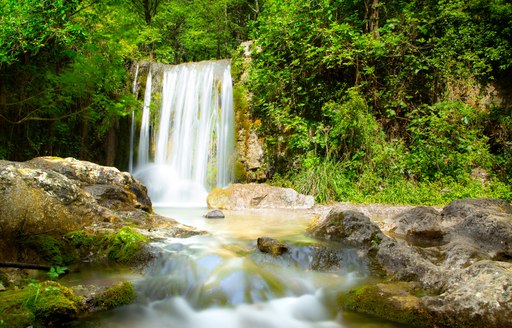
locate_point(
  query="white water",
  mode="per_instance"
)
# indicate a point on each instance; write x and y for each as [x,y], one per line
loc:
[193,134]
[222,280]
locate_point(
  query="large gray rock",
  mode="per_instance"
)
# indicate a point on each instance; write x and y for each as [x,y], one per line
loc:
[242,196]
[478,296]
[52,196]
[347,226]
[418,222]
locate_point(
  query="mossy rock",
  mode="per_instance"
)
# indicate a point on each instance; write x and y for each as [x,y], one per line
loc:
[396,301]
[118,295]
[125,246]
[47,304]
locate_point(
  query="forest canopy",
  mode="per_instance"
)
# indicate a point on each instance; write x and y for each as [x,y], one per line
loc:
[367,100]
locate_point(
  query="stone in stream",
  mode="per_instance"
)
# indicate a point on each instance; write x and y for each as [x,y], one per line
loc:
[271,246]
[215,214]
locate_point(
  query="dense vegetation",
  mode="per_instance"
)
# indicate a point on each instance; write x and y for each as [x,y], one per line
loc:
[395,101]
[366,100]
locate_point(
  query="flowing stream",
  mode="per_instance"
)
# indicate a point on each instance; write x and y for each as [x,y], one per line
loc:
[221,279]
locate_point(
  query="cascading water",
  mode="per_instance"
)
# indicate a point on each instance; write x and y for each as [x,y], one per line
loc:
[193,134]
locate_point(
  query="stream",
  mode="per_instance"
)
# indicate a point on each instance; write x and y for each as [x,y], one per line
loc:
[222,280]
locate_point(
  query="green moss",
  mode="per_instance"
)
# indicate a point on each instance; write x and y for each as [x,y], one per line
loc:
[117,295]
[12,311]
[39,305]
[47,247]
[79,239]
[240,172]
[125,245]
[388,301]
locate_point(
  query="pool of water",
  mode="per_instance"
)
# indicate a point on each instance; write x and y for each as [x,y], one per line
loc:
[222,280]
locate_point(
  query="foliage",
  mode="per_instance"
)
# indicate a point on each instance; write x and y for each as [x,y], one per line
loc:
[392,96]
[55,272]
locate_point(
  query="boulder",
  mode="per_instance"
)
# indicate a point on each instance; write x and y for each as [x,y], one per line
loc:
[48,197]
[478,296]
[400,261]
[242,196]
[463,208]
[489,231]
[419,222]
[347,226]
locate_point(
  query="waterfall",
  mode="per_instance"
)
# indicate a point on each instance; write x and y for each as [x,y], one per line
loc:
[186,147]
[132,129]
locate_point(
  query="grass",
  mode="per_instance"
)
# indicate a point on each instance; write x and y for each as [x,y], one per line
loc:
[333,182]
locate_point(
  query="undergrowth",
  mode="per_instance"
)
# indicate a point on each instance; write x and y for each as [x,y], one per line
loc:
[330,181]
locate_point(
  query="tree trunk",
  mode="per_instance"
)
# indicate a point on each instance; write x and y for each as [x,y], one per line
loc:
[372,17]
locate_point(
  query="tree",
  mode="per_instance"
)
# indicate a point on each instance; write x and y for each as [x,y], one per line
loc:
[146,9]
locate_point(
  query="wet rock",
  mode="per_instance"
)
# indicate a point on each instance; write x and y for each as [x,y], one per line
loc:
[271,246]
[350,227]
[215,214]
[241,196]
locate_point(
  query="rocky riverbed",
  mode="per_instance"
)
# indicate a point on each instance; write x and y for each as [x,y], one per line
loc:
[447,266]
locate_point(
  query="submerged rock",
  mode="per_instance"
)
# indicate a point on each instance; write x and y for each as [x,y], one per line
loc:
[241,196]
[271,246]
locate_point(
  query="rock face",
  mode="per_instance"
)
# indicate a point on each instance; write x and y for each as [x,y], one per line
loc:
[459,257]
[52,196]
[241,196]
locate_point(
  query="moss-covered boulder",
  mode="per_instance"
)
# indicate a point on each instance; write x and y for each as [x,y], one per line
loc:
[46,198]
[271,246]
[47,304]
[120,294]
